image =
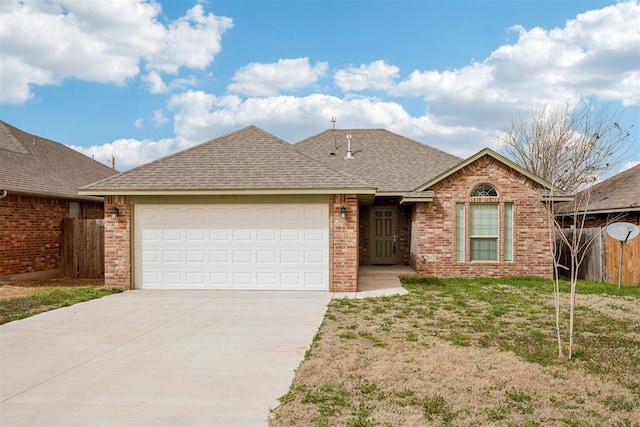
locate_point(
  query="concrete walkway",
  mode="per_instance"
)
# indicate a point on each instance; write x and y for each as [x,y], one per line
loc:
[378,281]
[157,358]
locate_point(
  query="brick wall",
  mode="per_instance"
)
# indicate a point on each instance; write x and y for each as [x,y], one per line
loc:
[343,244]
[433,225]
[31,233]
[363,234]
[404,234]
[117,243]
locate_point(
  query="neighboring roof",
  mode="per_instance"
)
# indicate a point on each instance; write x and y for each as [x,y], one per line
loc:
[382,159]
[38,166]
[620,193]
[489,152]
[246,161]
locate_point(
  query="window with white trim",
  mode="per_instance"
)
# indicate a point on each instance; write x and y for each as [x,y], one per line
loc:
[489,232]
[483,232]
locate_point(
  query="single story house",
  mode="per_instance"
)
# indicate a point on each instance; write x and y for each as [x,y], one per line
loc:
[39,181]
[250,211]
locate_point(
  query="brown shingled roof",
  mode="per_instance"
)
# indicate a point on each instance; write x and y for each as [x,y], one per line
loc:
[381,158]
[33,165]
[248,159]
[618,193]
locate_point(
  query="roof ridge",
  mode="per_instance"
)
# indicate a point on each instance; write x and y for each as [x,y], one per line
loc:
[170,156]
[327,166]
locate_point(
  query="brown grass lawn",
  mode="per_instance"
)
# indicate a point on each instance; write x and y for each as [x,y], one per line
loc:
[470,352]
[22,288]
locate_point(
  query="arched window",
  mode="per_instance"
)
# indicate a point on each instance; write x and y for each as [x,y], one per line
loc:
[484,190]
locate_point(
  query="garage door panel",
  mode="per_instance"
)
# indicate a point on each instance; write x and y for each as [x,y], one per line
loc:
[232,247]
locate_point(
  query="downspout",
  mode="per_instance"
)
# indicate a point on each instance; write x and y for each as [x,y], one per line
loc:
[3,194]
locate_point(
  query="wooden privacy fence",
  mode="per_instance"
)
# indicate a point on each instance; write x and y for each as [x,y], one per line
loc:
[601,261]
[83,248]
[630,261]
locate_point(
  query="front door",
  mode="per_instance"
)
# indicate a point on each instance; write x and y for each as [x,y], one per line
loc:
[384,235]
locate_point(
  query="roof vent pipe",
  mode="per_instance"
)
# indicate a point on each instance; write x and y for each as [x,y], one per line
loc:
[349,153]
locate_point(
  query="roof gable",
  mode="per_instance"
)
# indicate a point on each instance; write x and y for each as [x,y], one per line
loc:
[248,159]
[488,152]
[382,159]
[33,165]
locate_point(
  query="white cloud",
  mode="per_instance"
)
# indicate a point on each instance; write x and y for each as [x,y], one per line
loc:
[159,118]
[259,79]
[201,116]
[595,54]
[157,85]
[375,75]
[101,41]
[190,41]
[130,153]
[138,123]
[155,82]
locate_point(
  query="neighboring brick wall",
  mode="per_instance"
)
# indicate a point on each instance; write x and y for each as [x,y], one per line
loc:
[117,243]
[31,232]
[343,244]
[92,210]
[433,227]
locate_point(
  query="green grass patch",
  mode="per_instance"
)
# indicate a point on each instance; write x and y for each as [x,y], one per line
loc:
[22,307]
[373,367]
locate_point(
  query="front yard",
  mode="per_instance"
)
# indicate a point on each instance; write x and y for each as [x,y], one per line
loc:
[19,300]
[470,352]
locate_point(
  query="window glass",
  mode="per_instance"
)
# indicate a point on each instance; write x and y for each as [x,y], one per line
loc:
[484,220]
[484,232]
[484,249]
[508,232]
[460,232]
[484,190]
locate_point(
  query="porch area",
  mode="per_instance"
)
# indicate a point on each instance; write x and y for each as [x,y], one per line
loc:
[378,280]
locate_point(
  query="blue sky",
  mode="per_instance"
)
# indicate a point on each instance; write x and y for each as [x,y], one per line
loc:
[142,79]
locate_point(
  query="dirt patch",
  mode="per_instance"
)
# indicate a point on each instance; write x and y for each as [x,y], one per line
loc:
[21,288]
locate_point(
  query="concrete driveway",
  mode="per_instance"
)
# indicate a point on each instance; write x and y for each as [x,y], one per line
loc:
[149,358]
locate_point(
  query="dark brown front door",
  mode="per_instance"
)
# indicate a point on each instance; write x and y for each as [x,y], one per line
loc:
[384,235]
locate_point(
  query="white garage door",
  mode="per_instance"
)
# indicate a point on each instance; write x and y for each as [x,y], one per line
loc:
[276,246]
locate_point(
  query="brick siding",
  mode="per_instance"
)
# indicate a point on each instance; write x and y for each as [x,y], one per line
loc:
[363,245]
[117,243]
[343,244]
[433,225]
[31,232]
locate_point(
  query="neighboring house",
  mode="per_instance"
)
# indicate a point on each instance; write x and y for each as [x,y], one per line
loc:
[39,181]
[616,199]
[250,211]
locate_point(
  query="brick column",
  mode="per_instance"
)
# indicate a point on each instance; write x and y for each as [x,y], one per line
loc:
[117,242]
[343,240]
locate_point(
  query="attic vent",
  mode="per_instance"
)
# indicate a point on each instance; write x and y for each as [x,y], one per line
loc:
[349,153]
[335,142]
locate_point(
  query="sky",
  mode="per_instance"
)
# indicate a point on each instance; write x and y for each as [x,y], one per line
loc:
[142,79]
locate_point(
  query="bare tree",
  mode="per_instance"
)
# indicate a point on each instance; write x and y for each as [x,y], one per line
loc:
[567,146]
[571,149]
